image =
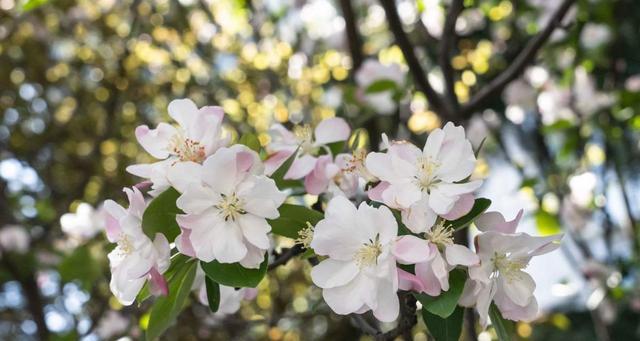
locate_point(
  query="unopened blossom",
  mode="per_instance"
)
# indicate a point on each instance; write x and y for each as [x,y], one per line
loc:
[197,135]
[432,275]
[226,209]
[373,71]
[336,177]
[85,223]
[425,183]
[230,298]
[14,238]
[136,258]
[309,141]
[500,276]
[362,247]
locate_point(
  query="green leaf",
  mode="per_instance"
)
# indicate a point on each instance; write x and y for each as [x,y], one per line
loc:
[547,223]
[30,5]
[213,294]
[479,206]
[81,266]
[444,329]
[504,329]
[445,304]
[160,216]
[234,274]
[381,86]
[177,262]
[166,309]
[293,218]
[250,140]
[278,175]
[336,147]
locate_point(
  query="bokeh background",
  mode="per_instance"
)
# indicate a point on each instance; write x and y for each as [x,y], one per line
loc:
[562,141]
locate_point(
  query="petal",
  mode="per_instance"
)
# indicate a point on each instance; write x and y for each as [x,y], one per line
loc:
[156,141]
[183,174]
[183,111]
[375,193]
[157,283]
[263,198]
[388,307]
[410,249]
[401,195]
[519,289]
[255,230]
[495,221]
[461,207]
[419,217]
[220,172]
[349,298]
[228,245]
[275,160]
[460,255]
[300,167]
[197,198]
[409,282]
[332,273]
[331,130]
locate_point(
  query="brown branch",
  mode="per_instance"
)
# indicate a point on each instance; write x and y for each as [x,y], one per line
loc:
[286,254]
[524,58]
[418,73]
[445,53]
[353,37]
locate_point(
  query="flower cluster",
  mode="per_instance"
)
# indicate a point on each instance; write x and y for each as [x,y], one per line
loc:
[221,203]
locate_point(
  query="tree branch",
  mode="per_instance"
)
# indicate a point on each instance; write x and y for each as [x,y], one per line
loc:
[518,65]
[353,37]
[418,73]
[445,53]
[286,254]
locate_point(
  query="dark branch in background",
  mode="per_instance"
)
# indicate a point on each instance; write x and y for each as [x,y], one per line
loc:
[418,73]
[353,38]
[449,39]
[286,254]
[522,60]
[406,321]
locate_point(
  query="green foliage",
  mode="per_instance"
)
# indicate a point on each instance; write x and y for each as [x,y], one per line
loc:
[213,294]
[445,304]
[234,274]
[177,261]
[479,206]
[278,175]
[160,216]
[250,140]
[547,223]
[444,329]
[293,218]
[381,86]
[80,265]
[166,309]
[30,5]
[504,329]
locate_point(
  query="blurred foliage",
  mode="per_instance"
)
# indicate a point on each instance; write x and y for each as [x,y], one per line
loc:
[77,77]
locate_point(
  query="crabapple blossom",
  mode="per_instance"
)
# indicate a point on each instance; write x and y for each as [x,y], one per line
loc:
[425,183]
[85,223]
[136,258]
[373,71]
[310,141]
[198,135]
[14,238]
[499,276]
[336,177]
[226,209]
[362,247]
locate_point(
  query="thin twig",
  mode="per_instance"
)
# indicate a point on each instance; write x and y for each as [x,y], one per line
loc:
[353,37]
[447,44]
[284,257]
[418,73]
[524,58]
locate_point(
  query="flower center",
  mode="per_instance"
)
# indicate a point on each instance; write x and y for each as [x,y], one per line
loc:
[187,149]
[304,135]
[503,266]
[230,207]
[367,254]
[426,175]
[305,236]
[440,235]
[125,246]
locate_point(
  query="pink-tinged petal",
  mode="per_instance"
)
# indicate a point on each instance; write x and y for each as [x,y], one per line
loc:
[137,205]
[249,293]
[460,255]
[275,160]
[244,161]
[156,141]
[183,243]
[142,170]
[214,111]
[375,193]
[519,289]
[409,282]
[300,167]
[461,207]
[332,130]
[433,273]
[220,171]
[411,250]
[419,217]
[112,225]
[157,283]
[143,185]
[317,181]
[183,111]
[333,273]
[495,221]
